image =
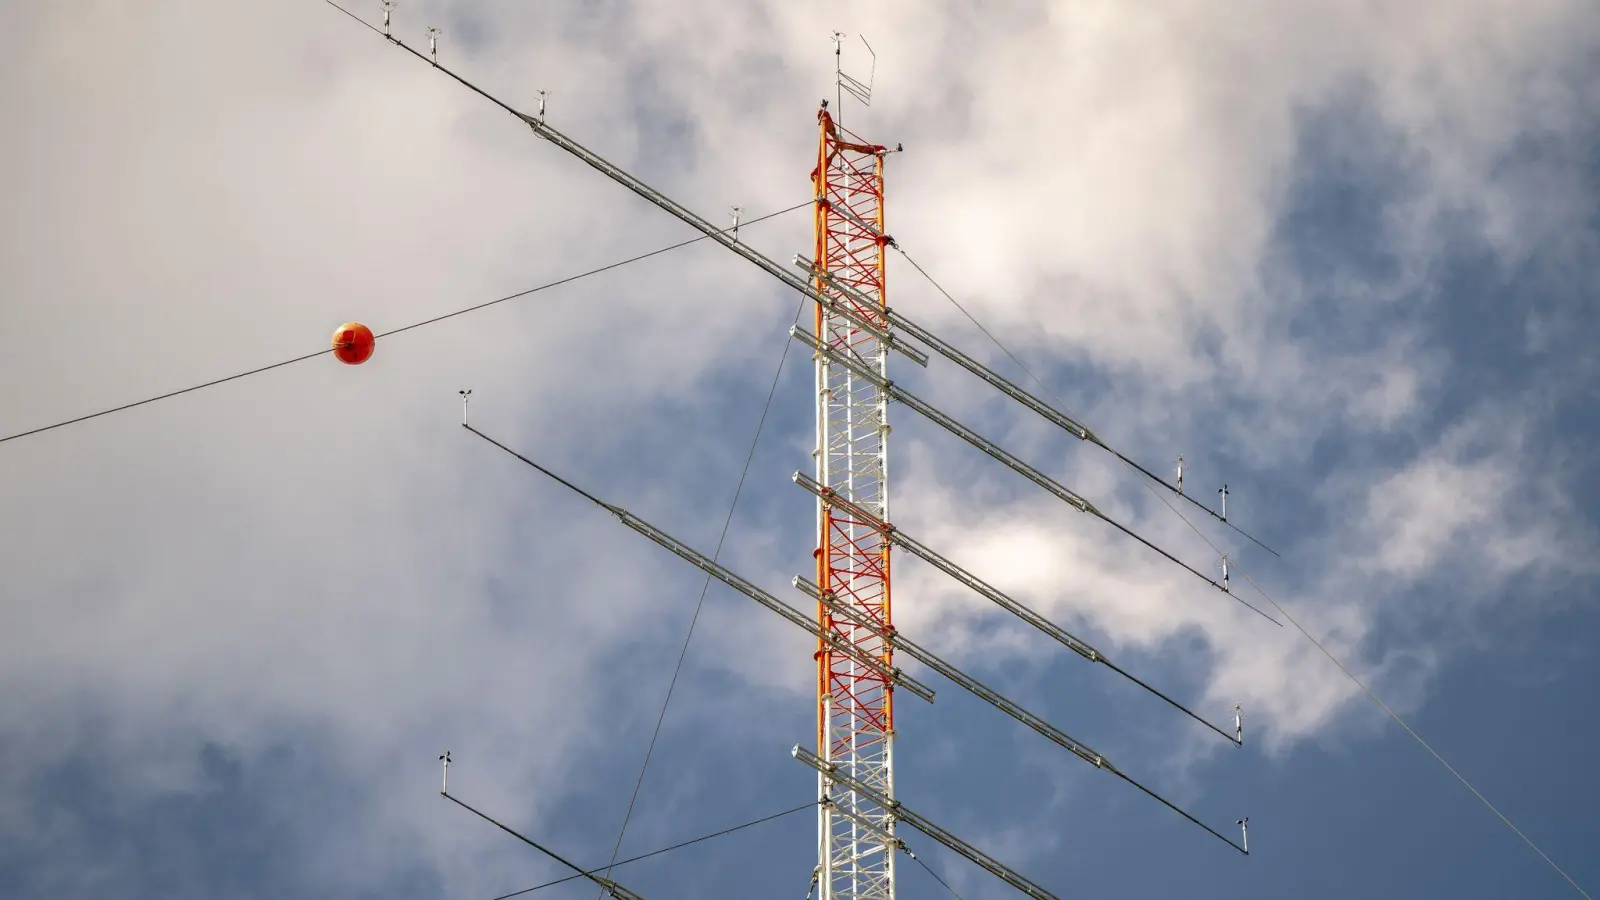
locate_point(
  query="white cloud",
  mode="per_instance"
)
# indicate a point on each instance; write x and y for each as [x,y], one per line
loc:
[211,188]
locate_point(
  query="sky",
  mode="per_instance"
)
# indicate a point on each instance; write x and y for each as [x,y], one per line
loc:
[1339,256]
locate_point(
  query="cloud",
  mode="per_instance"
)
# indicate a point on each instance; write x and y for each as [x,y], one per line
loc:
[320,557]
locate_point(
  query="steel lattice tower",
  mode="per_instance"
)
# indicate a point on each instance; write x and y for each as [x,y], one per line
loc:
[855,705]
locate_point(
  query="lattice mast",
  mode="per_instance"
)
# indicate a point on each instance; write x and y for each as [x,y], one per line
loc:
[855,704]
[855,713]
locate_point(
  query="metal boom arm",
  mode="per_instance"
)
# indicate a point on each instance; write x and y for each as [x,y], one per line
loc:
[731,579]
[1001,702]
[984,589]
[999,453]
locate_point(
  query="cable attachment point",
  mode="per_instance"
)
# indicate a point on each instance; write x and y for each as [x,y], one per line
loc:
[1225,573]
[1244,830]
[542,96]
[1180,474]
[737,212]
[444,788]
[1224,492]
[433,44]
[388,7]
[464,395]
[1238,725]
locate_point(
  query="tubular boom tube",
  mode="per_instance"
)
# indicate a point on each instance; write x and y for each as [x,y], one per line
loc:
[739,584]
[1061,635]
[1045,410]
[720,235]
[963,680]
[662,201]
[611,887]
[628,181]
[1073,427]
[731,579]
[999,701]
[894,808]
[999,453]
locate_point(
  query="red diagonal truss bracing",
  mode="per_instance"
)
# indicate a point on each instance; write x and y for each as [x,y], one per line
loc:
[855,705]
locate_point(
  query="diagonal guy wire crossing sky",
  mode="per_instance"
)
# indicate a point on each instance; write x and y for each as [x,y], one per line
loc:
[1336,257]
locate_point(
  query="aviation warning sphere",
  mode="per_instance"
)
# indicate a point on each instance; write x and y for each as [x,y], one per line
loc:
[353,343]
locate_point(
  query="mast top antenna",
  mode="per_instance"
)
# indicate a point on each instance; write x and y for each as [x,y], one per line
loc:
[848,84]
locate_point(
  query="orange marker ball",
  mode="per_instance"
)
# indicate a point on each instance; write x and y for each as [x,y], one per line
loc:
[353,343]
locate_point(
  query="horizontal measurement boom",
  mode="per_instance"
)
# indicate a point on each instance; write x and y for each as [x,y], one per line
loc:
[896,320]
[971,685]
[895,808]
[999,453]
[995,699]
[723,236]
[720,235]
[606,885]
[731,579]
[994,595]
[743,586]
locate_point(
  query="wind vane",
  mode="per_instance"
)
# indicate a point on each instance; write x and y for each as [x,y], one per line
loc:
[847,84]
